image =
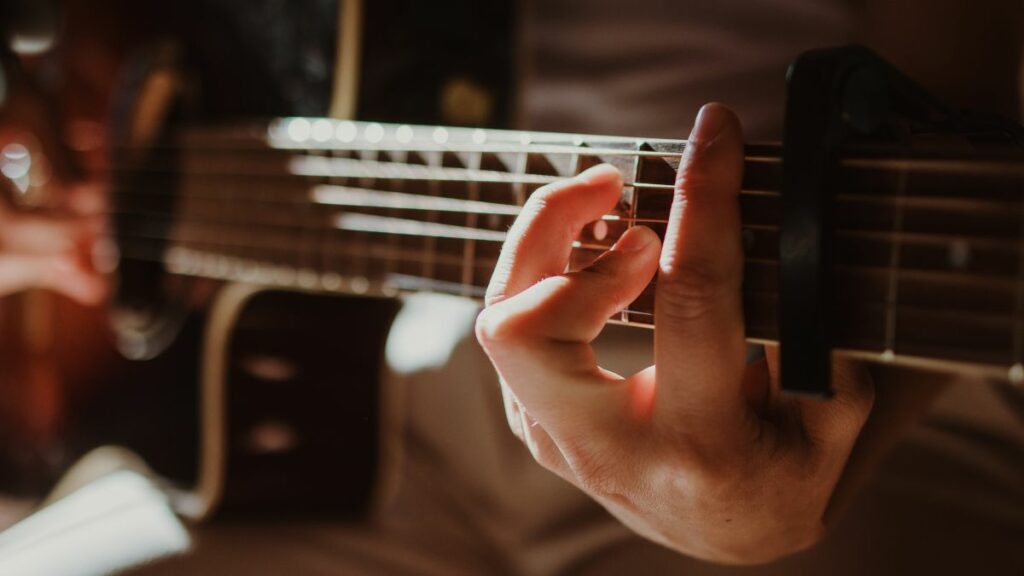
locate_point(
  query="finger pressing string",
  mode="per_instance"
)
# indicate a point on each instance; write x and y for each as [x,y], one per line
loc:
[540,241]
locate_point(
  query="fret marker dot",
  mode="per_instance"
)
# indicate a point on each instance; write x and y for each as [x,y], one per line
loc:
[599,230]
[331,281]
[299,129]
[440,135]
[359,285]
[307,278]
[404,134]
[888,356]
[346,131]
[479,136]
[1016,374]
[283,275]
[374,133]
[322,130]
[959,254]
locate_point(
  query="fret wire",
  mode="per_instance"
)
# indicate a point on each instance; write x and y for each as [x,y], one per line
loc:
[400,187]
[331,235]
[308,239]
[1016,372]
[518,186]
[430,243]
[892,293]
[577,168]
[370,182]
[632,213]
[469,245]
[327,233]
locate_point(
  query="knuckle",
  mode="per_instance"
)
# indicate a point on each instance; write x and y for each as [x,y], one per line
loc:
[606,276]
[693,179]
[552,196]
[689,289]
[596,472]
[492,326]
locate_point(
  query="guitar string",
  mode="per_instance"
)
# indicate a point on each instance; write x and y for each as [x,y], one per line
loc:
[540,149]
[1009,162]
[989,323]
[426,203]
[990,320]
[931,238]
[958,204]
[227,239]
[305,166]
[946,166]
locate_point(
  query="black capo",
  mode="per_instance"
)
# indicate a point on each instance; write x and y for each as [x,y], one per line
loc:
[837,97]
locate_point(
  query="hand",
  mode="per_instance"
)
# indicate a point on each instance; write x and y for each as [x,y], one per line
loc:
[700,452]
[52,251]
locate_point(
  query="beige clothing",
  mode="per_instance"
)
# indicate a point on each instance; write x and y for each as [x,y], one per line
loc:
[644,67]
[472,501]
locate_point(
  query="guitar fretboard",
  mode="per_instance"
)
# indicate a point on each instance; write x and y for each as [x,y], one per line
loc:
[929,250]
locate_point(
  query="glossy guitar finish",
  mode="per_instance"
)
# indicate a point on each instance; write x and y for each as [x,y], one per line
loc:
[297,426]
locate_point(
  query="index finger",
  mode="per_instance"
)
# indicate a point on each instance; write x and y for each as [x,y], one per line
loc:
[540,242]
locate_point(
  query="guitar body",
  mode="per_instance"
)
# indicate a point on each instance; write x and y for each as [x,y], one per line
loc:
[257,392]
[254,400]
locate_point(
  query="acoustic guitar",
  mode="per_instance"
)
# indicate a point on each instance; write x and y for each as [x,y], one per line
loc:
[885,227]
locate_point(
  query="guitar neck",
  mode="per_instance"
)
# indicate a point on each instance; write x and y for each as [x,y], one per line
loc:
[927,248]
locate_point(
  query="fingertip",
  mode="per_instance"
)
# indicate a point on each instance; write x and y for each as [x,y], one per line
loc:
[713,120]
[600,175]
[636,239]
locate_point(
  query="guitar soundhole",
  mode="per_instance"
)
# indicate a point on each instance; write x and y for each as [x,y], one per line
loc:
[149,304]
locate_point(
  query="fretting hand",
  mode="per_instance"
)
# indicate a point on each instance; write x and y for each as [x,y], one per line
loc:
[699,452]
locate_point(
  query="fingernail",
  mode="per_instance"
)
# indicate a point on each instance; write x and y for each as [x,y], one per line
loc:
[599,174]
[635,239]
[711,121]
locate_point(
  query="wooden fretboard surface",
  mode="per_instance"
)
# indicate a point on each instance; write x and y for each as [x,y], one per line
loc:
[928,247]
